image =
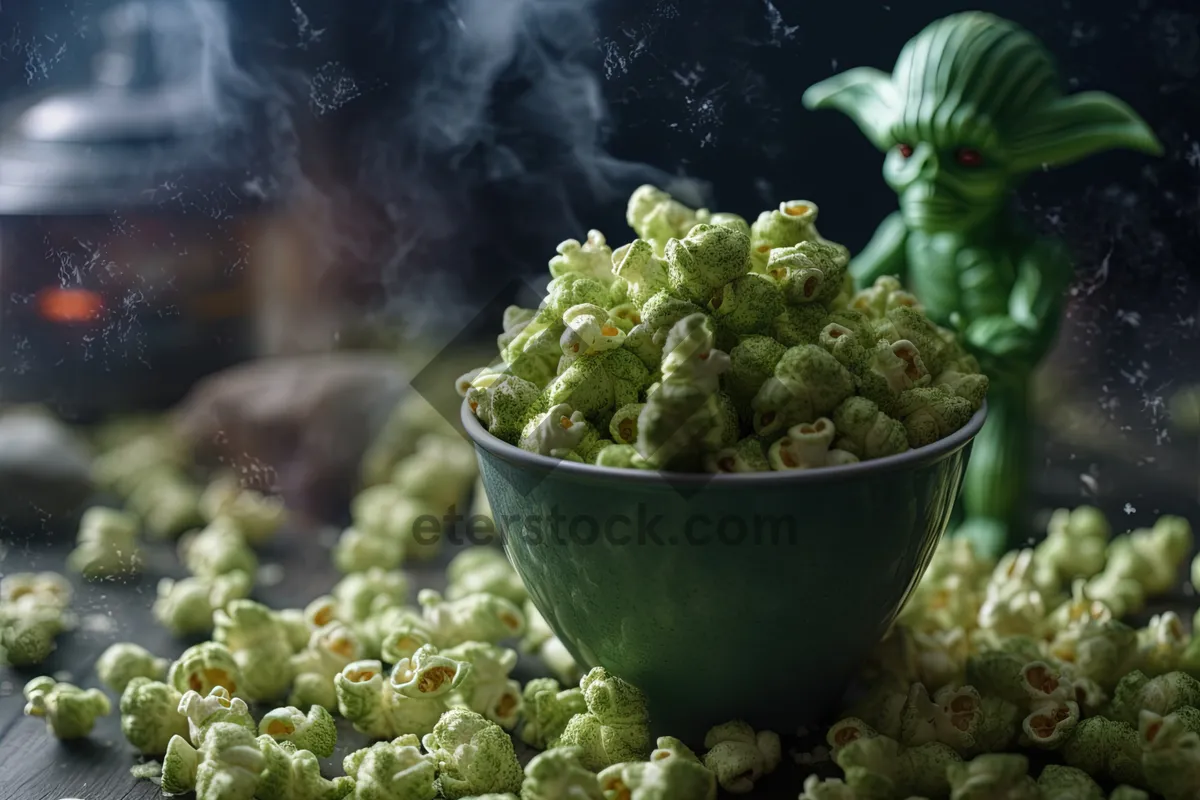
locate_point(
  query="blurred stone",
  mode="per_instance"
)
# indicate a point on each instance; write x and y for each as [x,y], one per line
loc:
[45,470]
[296,425]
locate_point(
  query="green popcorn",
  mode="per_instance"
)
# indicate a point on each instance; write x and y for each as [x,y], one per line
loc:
[290,774]
[1100,650]
[365,698]
[623,425]
[970,386]
[1128,793]
[329,650]
[800,279]
[547,708]
[395,770]
[830,259]
[662,311]
[1163,695]
[807,446]
[731,221]
[122,662]
[420,689]
[992,775]
[150,715]
[439,472]
[625,316]
[667,779]
[592,445]
[186,607]
[589,330]
[1170,755]
[506,405]
[644,273]
[908,325]
[999,724]
[70,712]
[689,354]
[747,455]
[226,766]
[1077,610]
[593,258]
[218,549]
[614,729]
[475,618]
[106,546]
[808,383]
[256,515]
[557,433]
[1068,783]
[657,217]
[1106,747]
[357,551]
[680,426]
[1050,725]
[1161,644]
[598,385]
[473,755]
[204,711]
[364,593]
[168,503]
[484,569]
[886,294]
[751,363]
[404,640]
[998,673]
[126,466]
[865,431]
[621,456]
[748,304]
[930,414]
[1123,595]
[258,639]
[886,371]
[793,222]
[512,328]
[315,731]
[560,773]
[847,730]
[800,325]
[828,789]
[486,687]
[204,667]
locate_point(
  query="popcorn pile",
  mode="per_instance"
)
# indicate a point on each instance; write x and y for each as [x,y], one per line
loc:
[1029,654]
[712,344]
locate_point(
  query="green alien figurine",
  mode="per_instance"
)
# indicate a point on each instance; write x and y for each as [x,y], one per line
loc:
[973,105]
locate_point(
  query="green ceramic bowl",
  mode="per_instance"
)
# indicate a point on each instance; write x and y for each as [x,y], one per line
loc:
[748,596]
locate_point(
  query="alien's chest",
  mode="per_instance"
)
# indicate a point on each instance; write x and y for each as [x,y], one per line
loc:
[950,277]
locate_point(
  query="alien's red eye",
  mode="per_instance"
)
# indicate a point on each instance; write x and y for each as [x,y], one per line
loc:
[905,150]
[968,157]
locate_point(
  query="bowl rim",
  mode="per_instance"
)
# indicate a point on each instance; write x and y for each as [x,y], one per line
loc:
[909,459]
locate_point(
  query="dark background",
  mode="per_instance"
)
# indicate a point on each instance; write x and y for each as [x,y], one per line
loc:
[462,142]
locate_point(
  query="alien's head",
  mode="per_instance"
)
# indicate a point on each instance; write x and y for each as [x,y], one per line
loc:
[973,104]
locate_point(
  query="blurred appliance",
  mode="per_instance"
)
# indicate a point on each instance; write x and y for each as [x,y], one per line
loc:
[129,215]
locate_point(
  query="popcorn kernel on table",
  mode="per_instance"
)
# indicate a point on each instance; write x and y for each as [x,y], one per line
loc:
[150,715]
[70,712]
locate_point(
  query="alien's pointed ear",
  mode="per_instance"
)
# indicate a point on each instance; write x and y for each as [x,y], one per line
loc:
[864,94]
[1075,127]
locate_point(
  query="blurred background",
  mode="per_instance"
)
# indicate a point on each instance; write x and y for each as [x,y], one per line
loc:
[327,202]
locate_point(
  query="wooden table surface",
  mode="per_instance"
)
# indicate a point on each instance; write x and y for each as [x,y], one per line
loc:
[35,766]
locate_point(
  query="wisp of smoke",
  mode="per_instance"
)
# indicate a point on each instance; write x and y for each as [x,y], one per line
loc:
[490,140]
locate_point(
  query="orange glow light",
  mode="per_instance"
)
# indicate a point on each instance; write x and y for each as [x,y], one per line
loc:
[69,305]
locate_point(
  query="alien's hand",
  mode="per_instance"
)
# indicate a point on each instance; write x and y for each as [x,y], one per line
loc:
[1005,349]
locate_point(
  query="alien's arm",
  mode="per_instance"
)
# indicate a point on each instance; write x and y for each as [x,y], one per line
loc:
[883,255]
[1035,304]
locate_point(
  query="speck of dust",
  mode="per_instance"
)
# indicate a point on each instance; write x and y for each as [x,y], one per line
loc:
[1129,509]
